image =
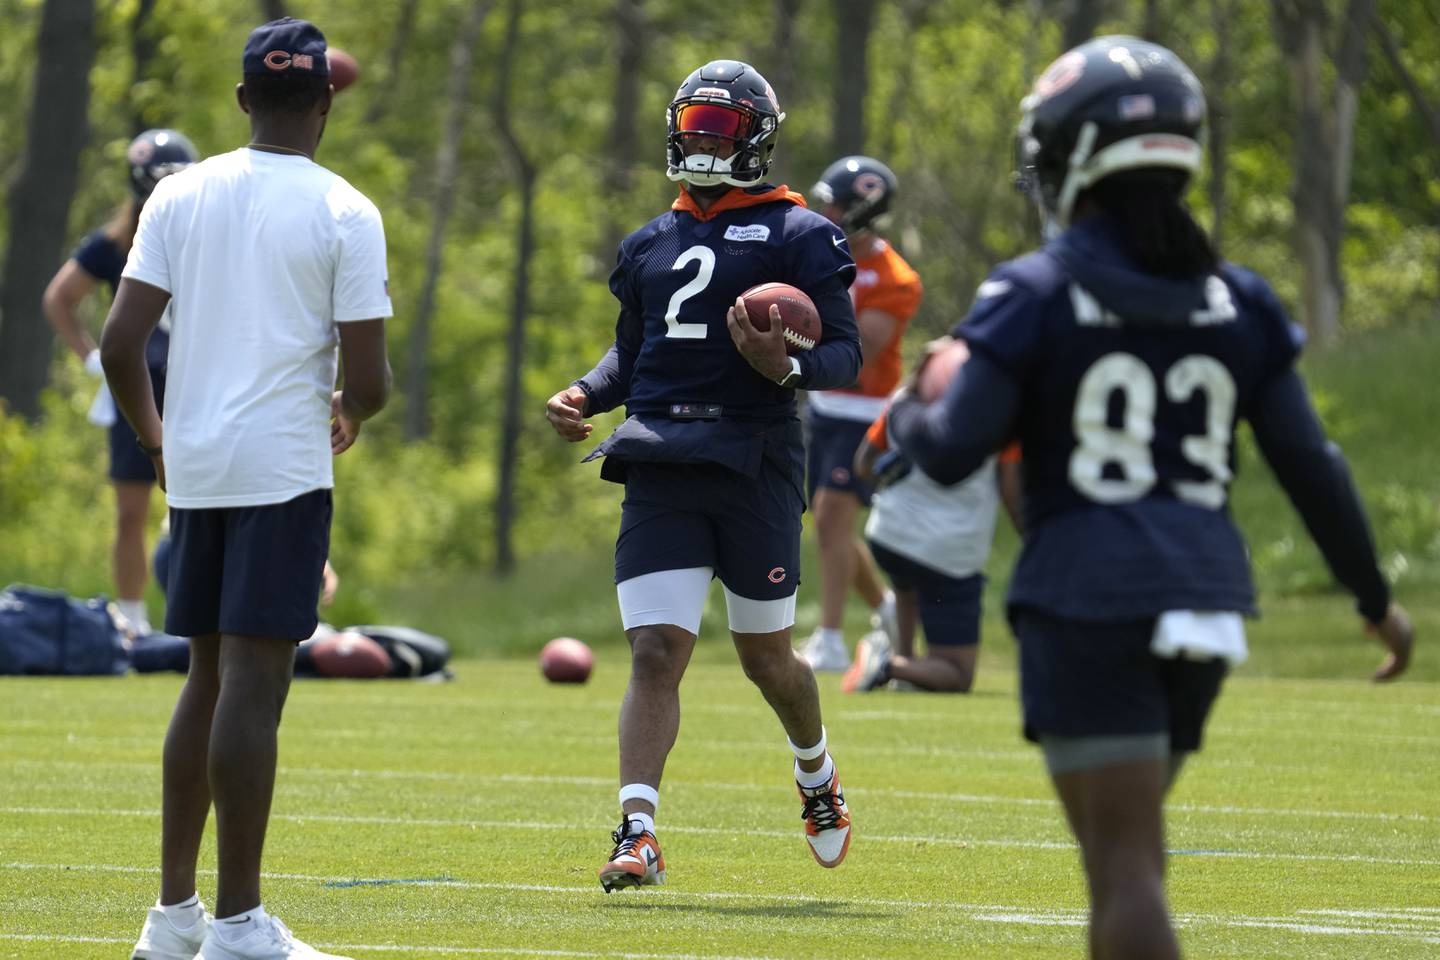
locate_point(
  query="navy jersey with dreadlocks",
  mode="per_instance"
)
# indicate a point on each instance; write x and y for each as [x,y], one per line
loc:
[673,358]
[1126,390]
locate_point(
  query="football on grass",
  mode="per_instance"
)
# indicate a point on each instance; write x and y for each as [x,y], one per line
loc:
[566,660]
[797,313]
[938,369]
[350,654]
[344,70]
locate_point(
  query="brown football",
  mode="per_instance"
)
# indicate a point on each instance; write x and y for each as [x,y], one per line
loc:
[566,660]
[797,313]
[344,70]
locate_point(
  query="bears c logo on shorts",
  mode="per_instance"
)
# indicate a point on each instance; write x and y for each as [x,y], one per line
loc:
[777,575]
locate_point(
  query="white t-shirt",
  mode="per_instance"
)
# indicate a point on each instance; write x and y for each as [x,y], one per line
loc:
[948,529]
[262,254]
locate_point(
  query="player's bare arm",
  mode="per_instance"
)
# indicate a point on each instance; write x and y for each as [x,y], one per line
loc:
[876,329]
[61,303]
[763,350]
[133,317]
[1397,634]
[367,381]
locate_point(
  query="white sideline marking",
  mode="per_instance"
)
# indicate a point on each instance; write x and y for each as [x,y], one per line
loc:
[961,842]
[942,796]
[422,948]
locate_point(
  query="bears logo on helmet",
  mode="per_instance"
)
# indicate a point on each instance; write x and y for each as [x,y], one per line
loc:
[728,102]
[862,187]
[156,154]
[1112,104]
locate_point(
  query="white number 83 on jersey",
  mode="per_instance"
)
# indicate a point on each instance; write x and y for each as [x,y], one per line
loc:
[1127,447]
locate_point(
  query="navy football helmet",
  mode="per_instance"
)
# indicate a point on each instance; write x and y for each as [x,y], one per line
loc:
[156,154]
[862,187]
[1112,104]
[729,101]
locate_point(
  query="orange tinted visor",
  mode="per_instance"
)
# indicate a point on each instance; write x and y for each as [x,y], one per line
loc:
[712,119]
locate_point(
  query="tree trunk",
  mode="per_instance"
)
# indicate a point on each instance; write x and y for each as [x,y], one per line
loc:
[272,9]
[1153,27]
[39,201]
[506,509]
[447,163]
[1218,144]
[399,45]
[630,37]
[142,52]
[852,81]
[780,59]
[1081,21]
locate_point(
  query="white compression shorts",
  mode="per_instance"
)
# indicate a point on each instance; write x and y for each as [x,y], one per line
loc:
[678,597]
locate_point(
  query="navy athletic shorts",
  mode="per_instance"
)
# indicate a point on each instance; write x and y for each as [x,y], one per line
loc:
[831,443]
[949,606]
[1083,679]
[248,571]
[128,463]
[681,515]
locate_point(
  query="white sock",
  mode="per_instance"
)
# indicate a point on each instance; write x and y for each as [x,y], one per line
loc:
[134,611]
[887,606]
[646,821]
[817,779]
[832,636]
[231,929]
[183,915]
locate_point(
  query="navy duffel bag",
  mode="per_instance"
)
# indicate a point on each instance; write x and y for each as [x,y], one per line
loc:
[47,632]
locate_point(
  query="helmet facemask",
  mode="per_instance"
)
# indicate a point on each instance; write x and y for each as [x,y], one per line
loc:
[750,133]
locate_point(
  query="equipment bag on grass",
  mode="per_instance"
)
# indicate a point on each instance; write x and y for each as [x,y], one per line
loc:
[47,632]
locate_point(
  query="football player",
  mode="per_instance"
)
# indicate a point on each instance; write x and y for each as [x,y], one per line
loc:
[711,455]
[151,156]
[1122,355]
[857,193]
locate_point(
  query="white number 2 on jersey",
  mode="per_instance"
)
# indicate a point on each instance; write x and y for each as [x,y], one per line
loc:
[690,331]
[1128,446]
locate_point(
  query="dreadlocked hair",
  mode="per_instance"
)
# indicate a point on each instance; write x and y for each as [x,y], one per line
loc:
[1157,228]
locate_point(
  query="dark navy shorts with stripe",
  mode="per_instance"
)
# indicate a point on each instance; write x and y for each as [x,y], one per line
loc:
[1085,679]
[676,516]
[830,444]
[248,571]
[949,606]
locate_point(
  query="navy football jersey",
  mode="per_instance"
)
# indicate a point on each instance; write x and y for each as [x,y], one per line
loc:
[1130,389]
[677,276]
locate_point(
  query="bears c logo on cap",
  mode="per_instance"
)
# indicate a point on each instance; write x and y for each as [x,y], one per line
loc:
[283,60]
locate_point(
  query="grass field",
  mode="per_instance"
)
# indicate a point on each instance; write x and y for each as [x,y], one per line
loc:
[468,819]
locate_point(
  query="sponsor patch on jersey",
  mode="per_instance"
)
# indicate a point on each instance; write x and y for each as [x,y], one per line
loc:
[750,231]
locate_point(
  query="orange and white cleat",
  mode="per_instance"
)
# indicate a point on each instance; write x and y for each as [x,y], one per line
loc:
[636,860]
[827,821]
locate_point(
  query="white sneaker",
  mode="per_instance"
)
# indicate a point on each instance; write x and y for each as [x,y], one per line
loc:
[885,618]
[825,657]
[270,940]
[162,940]
[872,664]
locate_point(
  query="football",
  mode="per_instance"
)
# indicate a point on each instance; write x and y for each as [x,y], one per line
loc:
[344,70]
[938,369]
[797,313]
[350,654]
[566,660]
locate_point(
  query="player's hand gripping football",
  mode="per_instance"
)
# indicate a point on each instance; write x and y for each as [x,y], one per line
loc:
[343,430]
[765,351]
[1397,634]
[566,413]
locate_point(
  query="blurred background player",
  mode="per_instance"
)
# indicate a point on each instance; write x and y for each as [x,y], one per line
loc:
[1122,354]
[272,261]
[151,156]
[855,193]
[933,542]
[712,456]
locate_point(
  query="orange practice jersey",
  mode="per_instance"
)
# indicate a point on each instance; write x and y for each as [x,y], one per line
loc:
[884,281]
[880,440]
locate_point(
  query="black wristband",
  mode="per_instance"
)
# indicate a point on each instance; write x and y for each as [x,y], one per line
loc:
[148,451]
